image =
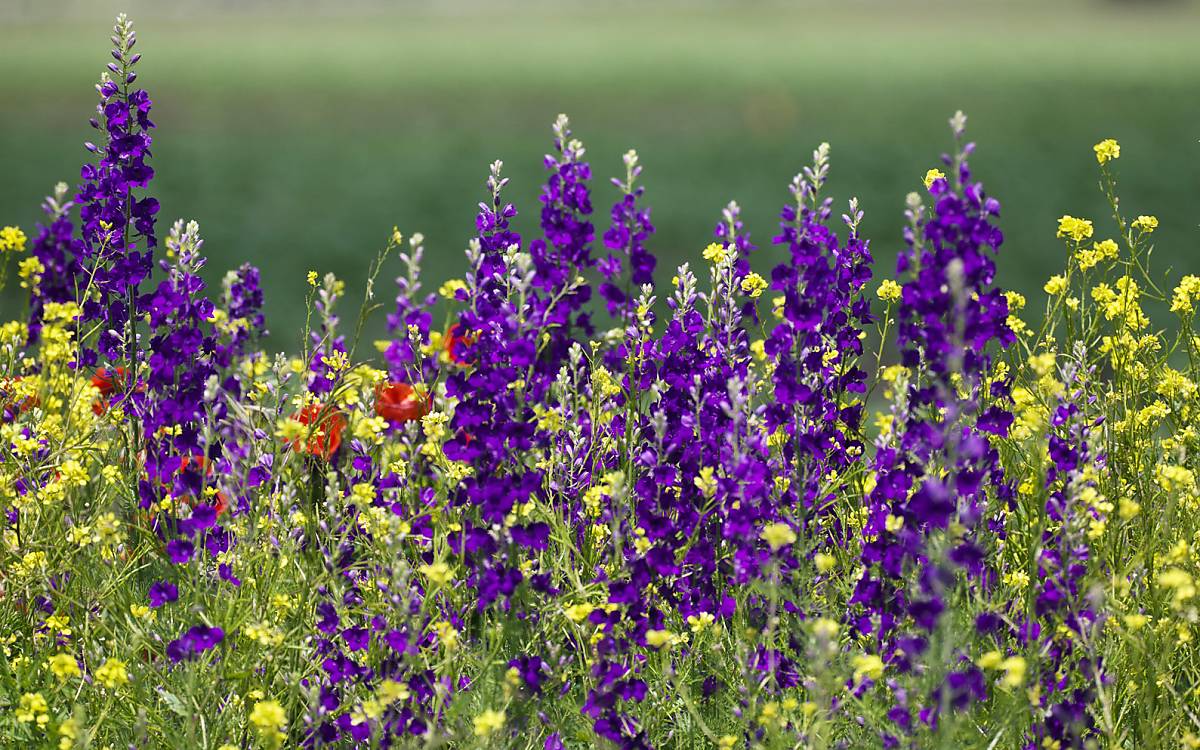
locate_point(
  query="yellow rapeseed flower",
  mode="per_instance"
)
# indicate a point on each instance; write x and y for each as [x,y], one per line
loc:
[63,666]
[112,674]
[1146,224]
[778,535]
[888,291]
[659,638]
[1077,229]
[753,285]
[1107,150]
[488,722]
[867,666]
[438,573]
[269,719]
[12,240]
[716,253]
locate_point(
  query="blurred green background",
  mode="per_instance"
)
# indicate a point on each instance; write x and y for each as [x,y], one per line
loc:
[298,133]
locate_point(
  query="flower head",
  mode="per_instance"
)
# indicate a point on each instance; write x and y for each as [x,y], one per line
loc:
[778,535]
[112,674]
[889,291]
[1146,224]
[1077,229]
[269,720]
[12,240]
[489,722]
[399,402]
[324,435]
[1107,150]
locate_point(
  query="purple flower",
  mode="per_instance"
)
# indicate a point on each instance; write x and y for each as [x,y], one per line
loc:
[163,592]
[625,241]
[193,643]
[114,220]
[180,551]
[52,247]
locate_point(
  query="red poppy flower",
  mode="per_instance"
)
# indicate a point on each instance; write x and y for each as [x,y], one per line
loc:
[400,402]
[325,434]
[106,384]
[104,381]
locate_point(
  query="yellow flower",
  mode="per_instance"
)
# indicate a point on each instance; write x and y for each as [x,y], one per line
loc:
[824,561]
[12,240]
[33,708]
[68,732]
[1146,223]
[578,612]
[488,722]
[1107,150]
[990,660]
[111,674]
[699,623]
[391,691]
[1055,285]
[446,635]
[1014,672]
[269,719]
[753,285]
[888,291]
[450,289]
[1186,294]
[706,482]
[1180,581]
[1077,229]
[1135,621]
[438,573]
[63,666]
[659,638]
[933,176]
[825,629]
[1100,251]
[867,665]
[716,253]
[778,535]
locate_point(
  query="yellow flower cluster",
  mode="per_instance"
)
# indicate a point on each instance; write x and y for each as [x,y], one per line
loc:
[1104,250]
[112,674]
[1184,298]
[778,535]
[1145,224]
[488,722]
[754,285]
[889,291]
[1055,285]
[1122,303]
[269,720]
[1077,229]
[716,253]
[12,240]
[1107,150]
[33,709]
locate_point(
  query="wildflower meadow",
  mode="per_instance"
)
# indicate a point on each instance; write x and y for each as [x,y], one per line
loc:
[577,500]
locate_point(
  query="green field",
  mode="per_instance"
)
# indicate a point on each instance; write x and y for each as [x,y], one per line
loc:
[297,141]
